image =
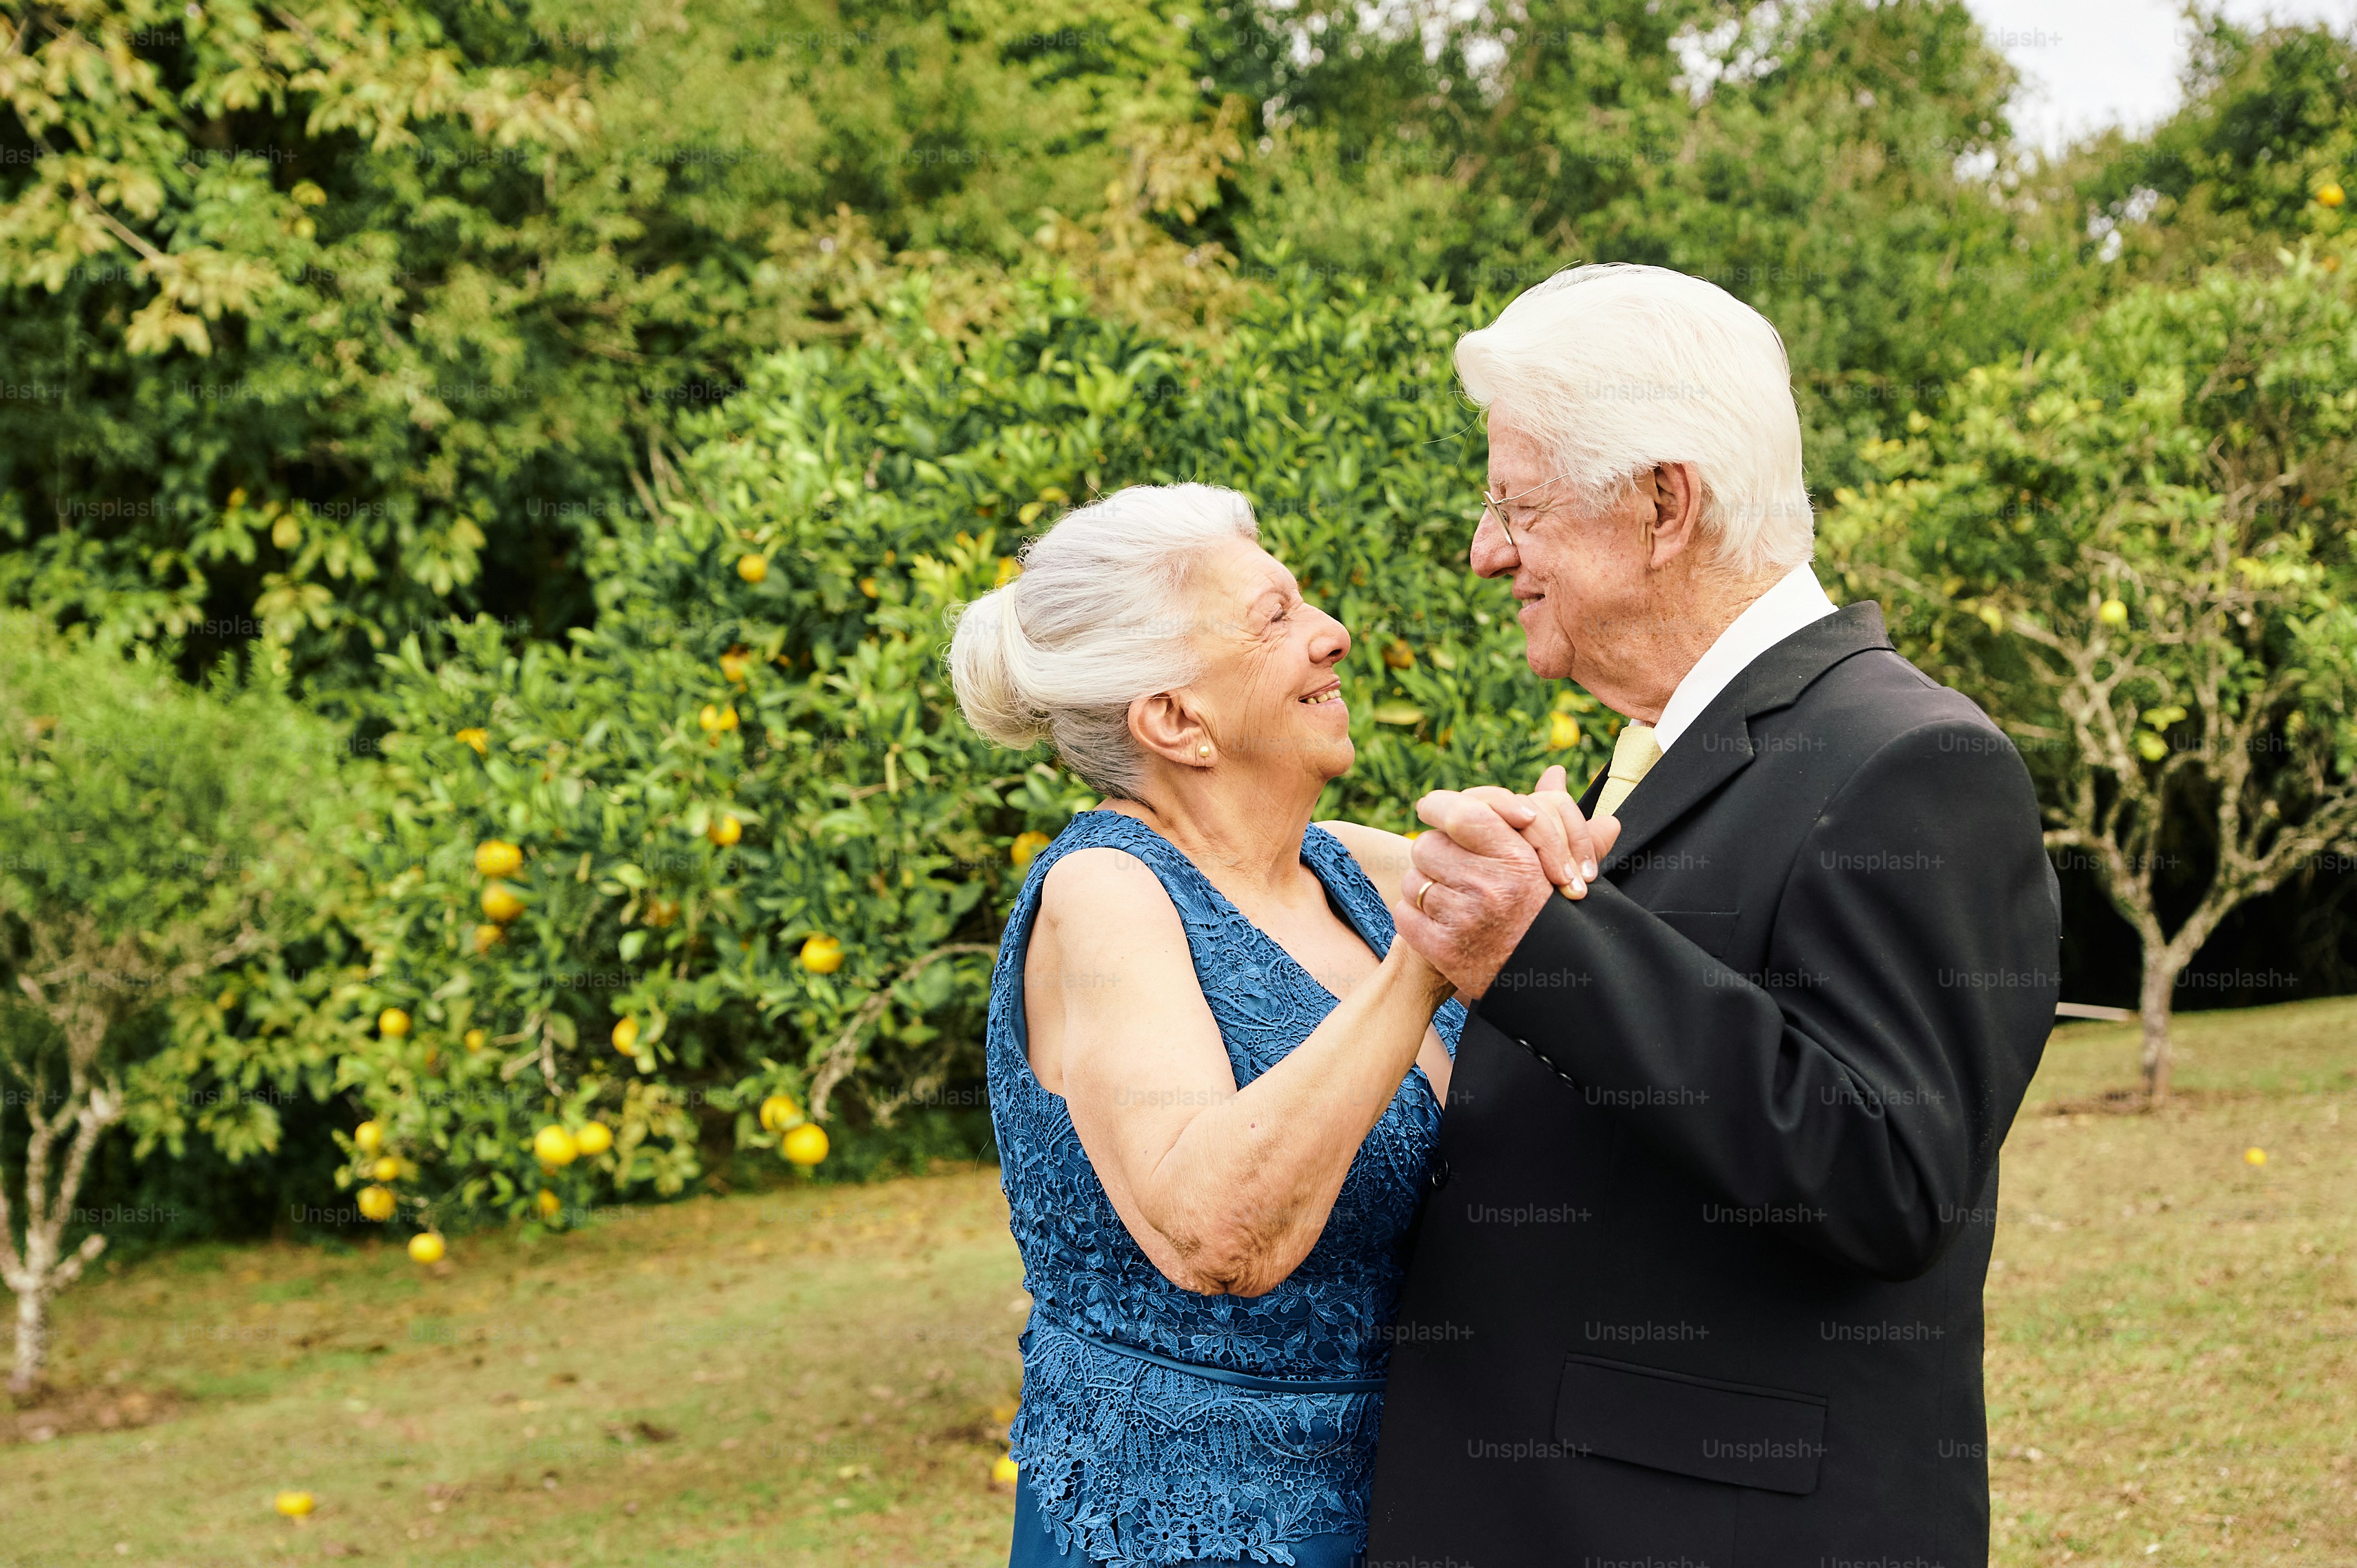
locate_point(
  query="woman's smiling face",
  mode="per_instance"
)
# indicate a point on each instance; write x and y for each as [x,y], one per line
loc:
[1270,696]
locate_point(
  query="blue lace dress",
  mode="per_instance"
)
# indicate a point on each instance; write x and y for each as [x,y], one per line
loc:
[1159,1425]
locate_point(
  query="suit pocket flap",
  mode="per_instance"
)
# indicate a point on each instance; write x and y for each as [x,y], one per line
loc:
[1734,1432]
[1713,931]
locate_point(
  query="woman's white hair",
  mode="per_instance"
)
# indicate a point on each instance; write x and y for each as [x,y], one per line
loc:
[1099,616]
[1614,369]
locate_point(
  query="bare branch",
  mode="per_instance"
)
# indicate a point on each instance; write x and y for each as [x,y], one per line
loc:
[843,1055]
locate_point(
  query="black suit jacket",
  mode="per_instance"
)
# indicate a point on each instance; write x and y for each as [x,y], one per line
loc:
[1698,1281]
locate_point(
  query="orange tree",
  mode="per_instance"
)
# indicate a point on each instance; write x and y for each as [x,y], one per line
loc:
[755,851]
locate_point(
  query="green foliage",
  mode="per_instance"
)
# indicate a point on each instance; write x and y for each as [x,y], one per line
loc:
[165,863]
[2252,160]
[323,321]
[880,487]
[1843,168]
[328,321]
[2135,553]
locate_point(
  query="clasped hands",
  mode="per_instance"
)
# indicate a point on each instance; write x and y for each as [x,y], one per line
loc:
[1477,881]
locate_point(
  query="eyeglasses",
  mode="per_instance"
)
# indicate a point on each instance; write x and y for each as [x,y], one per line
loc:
[1495,506]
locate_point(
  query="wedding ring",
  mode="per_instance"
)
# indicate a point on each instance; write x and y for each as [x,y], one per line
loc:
[1420,893]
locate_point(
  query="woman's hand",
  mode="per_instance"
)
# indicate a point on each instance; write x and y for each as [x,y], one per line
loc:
[1569,846]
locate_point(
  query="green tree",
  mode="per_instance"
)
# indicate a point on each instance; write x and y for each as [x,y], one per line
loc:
[2256,156]
[2134,554]
[1844,167]
[160,839]
[328,320]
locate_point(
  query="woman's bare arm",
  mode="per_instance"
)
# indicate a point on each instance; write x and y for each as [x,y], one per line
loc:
[1225,1189]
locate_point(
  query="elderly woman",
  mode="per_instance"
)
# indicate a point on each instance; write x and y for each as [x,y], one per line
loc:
[1215,1079]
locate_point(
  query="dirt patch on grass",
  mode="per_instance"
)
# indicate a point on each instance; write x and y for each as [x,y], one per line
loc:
[53,1414]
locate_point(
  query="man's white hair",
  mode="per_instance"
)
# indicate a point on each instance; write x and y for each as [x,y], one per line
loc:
[1101,615]
[1614,369]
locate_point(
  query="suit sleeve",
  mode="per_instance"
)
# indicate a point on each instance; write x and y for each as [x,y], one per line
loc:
[1854,1095]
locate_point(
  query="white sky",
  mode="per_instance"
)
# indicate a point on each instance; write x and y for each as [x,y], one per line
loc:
[2089,64]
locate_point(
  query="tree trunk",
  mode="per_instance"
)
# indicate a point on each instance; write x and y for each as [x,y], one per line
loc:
[2161,966]
[32,1342]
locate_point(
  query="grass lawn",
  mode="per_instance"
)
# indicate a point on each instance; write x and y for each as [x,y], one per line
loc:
[2172,1330]
[823,1375]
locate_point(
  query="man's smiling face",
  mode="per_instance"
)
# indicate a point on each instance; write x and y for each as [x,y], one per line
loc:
[1579,574]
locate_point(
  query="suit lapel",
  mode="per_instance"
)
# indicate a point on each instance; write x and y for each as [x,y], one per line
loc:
[1718,745]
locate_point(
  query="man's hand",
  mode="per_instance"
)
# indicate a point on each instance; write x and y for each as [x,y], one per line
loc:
[1569,845]
[1474,886]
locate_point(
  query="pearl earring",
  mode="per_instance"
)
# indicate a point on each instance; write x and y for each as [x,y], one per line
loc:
[1203,751]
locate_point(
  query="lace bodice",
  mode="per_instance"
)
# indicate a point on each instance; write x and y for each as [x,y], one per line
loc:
[1138,1460]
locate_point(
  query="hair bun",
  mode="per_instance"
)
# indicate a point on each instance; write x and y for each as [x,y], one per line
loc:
[989,656]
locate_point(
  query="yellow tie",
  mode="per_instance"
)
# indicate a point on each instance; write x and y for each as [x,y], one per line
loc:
[1633,755]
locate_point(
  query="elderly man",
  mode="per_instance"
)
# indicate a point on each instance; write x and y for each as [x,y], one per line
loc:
[1698,1281]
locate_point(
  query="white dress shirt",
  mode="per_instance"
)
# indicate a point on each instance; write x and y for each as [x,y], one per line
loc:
[1797,600]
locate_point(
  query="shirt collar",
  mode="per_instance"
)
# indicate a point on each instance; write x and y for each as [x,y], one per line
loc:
[1797,600]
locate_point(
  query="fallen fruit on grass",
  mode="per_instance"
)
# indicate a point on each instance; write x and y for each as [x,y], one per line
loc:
[2254,1156]
[626,1036]
[295,1505]
[376,1203]
[393,1023]
[779,1112]
[1004,1471]
[805,1145]
[594,1139]
[426,1247]
[496,857]
[822,955]
[368,1137]
[553,1145]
